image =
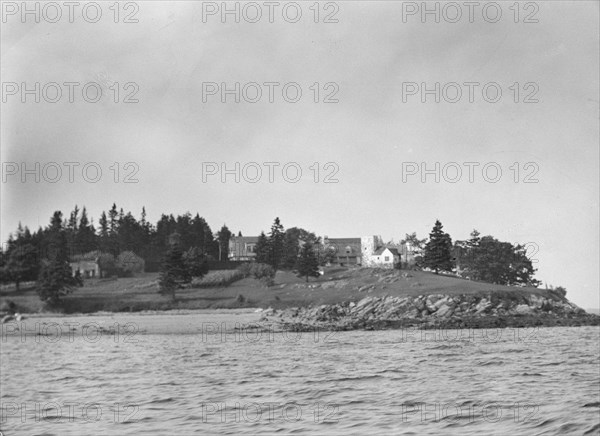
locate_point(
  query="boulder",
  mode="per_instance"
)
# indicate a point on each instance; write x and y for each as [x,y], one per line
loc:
[444,311]
[523,309]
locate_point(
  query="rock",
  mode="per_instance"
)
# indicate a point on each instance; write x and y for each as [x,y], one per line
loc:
[483,305]
[412,313]
[429,305]
[419,303]
[523,309]
[444,311]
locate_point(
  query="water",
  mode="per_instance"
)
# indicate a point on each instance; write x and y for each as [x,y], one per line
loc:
[543,382]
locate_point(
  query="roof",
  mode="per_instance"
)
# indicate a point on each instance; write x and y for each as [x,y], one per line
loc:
[380,251]
[244,239]
[342,241]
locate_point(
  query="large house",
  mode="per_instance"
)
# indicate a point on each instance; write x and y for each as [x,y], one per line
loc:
[368,251]
[347,251]
[242,247]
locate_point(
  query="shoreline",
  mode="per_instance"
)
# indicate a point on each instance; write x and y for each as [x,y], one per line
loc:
[225,324]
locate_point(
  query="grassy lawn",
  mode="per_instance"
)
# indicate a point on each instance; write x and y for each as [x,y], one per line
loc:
[335,286]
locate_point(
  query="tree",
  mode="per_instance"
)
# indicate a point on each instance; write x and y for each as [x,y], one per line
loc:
[56,278]
[195,262]
[223,237]
[438,250]
[85,239]
[262,248]
[56,281]
[107,265]
[174,273]
[293,238]
[413,243]
[503,263]
[464,252]
[276,244]
[308,262]
[22,264]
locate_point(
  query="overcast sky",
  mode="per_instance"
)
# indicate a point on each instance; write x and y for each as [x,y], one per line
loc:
[370,134]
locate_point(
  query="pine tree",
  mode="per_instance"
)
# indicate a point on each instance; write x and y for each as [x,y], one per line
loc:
[262,248]
[85,235]
[438,250]
[223,237]
[56,277]
[56,281]
[195,262]
[276,244]
[308,263]
[174,274]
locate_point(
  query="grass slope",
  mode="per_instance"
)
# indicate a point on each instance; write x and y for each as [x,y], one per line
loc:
[335,286]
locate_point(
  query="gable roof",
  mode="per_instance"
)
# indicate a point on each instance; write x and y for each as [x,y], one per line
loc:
[244,239]
[342,241]
[380,251]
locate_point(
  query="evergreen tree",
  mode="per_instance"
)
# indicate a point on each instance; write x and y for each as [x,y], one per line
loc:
[291,246]
[308,262]
[86,235]
[56,281]
[262,248]
[103,233]
[174,273]
[56,277]
[195,262]
[22,265]
[276,244]
[438,250]
[223,237]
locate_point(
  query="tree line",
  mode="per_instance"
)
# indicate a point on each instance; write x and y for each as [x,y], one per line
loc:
[117,241]
[180,247]
[479,258]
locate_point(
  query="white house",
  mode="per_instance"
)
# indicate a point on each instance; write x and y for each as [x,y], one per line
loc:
[376,255]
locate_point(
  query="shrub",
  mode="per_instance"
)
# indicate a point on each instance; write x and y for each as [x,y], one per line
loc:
[561,291]
[130,262]
[263,271]
[267,281]
[245,269]
[260,271]
[215,279]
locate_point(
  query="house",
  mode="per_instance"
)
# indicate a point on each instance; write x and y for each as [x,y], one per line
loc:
[347,251]
[88,269]
[242,247]
[375,254]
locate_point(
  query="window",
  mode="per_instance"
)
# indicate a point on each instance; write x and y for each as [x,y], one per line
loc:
[250,248]
[387,258]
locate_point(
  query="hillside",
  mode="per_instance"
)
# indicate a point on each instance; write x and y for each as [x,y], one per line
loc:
[337,285]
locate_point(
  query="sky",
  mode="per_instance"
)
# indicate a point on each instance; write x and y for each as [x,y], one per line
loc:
[373,131]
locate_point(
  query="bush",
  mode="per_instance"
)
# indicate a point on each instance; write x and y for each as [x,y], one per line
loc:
[262,271]
[245,269]
[267,281]
[561,291]
[130,262]
[215,279]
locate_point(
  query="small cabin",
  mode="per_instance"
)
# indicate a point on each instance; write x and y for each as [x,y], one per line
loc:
[88,269]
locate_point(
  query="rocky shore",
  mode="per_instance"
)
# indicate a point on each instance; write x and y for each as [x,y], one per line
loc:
[496,310]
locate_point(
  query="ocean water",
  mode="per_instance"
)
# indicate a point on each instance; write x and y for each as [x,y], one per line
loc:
[542,381]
